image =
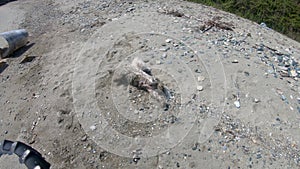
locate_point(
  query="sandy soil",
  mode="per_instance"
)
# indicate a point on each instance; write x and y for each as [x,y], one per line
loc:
[12,16]
[235,95]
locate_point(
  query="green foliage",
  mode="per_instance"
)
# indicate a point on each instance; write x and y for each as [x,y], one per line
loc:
[280,15]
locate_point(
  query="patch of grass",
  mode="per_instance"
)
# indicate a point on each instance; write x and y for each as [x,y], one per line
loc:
[280,15]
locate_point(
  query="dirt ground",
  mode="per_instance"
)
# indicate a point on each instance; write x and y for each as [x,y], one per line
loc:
[233,86]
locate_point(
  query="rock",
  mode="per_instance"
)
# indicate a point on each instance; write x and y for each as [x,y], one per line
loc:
[280,58]
[200,88]
[256,100]
[198,71]
[168,40]
[165,49]
[201,78]
[192,164]
[247,73]
[195,147]
[32,139]
[293,73]
[271,71]
[258,156]
[283,68]
[84,138]
[136,159]
[235,61]
[283,98]
[89,148]
[284,73]
[93,127]
[263,25]
[130,9]
[237,104]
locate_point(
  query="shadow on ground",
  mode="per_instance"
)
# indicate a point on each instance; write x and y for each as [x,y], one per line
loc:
[3,2]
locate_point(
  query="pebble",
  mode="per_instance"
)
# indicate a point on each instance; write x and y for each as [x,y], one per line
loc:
[224,148]
[200,88]
[293,73]
[165,49]
[263,25]
[93,127]
[260,47]
[84,138]
[201,78]
[283,98]
[195,148]
[192,165]
[256,100]
[136,159]
[235,61]
[283,68]
[130,9]
[89,148]
[247,73]
[198,71]
[158,62]
[271,71]
[258,156]
[237,104]
[282,63]
[168,40]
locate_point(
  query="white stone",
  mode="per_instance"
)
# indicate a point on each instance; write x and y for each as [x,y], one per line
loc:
[93,127]
[200,88]
[237,104]
[235,61]
[201,78]
[168,40]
